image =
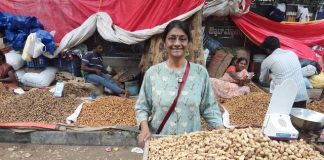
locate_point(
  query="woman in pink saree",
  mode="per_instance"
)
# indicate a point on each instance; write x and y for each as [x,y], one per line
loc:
[233,82]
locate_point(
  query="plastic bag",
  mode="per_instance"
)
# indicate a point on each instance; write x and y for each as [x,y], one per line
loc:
[317,80]
[10,36]
[28,48]
[33,48]
[47,39]
[308,84]
[306,62]
[19,42]
[17,28]
[308,70]
[14,59]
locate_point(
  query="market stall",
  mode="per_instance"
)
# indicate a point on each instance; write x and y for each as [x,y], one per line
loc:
[83,108]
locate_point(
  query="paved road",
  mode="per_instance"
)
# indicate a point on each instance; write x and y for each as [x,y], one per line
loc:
[9,151]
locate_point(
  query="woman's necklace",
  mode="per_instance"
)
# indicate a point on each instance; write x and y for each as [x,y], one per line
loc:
[177,71]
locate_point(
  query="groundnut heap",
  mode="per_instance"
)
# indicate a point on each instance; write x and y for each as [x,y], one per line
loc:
[248,110]
[241,144]
[108,111]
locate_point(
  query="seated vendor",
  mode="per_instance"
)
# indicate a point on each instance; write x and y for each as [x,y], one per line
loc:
[233,82]
[92,65]
[7,73]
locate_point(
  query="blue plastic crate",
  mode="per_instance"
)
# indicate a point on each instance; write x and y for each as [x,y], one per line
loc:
[40,62]
[71,66]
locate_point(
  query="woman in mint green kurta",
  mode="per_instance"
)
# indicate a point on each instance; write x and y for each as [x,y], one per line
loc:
[160,87]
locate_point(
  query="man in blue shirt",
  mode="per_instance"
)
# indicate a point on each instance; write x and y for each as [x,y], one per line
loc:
[95,73]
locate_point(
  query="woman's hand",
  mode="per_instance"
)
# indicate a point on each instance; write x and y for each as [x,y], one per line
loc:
[144,135]
[241,83]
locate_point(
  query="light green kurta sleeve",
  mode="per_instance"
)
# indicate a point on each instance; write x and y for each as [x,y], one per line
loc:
[143,105]
[209,108]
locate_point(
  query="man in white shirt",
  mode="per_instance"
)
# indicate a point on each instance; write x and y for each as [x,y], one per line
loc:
[283,64]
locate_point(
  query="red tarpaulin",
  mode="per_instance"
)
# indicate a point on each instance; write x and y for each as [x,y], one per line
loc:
[296,37]
[66,15]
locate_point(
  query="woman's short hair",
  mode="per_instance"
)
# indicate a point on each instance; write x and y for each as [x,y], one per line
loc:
[177,23]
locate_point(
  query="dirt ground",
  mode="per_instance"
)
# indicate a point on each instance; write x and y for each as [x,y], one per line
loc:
[10,151]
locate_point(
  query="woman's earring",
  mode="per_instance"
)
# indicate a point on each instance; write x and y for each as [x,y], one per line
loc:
[187,53]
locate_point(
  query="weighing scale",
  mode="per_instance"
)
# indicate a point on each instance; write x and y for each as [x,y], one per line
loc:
[277,124]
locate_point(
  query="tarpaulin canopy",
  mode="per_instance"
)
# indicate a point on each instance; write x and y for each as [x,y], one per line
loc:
[131,15]
[296,37]
[102,22]
[226,7]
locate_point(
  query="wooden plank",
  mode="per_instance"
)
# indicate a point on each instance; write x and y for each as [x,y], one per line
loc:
[322,95]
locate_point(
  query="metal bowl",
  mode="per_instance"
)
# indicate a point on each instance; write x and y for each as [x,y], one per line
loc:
[307,119]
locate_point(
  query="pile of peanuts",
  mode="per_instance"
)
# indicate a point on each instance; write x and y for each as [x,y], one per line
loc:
[74,90]
[248,110]
[37,106]
[4,95]
[240,144]
[108,111]
[317,106]
[253,87]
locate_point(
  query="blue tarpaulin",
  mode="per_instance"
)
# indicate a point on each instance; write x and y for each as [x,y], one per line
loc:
[17,28]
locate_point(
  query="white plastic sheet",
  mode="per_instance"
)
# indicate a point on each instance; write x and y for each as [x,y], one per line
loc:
[226,119]
[102,22]
[73,117]
[225,8]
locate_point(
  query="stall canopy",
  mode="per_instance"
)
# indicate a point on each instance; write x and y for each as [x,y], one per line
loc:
[124,21]
[296,37]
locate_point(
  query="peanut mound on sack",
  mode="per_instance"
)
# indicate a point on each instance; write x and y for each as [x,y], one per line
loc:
[108,111]
[229,144]
[36,106]
[248,110]
[317,106]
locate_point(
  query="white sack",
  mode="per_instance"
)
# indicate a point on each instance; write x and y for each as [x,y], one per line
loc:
[19,74]
[40,80]
[14,59]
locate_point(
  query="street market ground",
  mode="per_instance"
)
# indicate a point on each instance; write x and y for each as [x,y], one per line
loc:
[13,151]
